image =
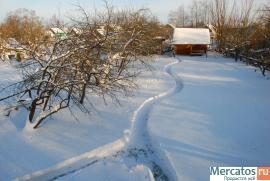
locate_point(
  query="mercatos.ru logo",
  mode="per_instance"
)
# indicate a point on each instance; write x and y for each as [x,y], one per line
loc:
[239,173]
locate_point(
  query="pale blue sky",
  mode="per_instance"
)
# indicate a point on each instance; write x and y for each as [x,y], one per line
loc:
[46,8]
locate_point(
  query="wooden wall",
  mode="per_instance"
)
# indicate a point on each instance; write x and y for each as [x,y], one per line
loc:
[189,49]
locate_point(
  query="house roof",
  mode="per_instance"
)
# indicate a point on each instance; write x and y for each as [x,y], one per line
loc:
[191,36]
[57,30]
[171,25]
[101,30]
[12,43]
[76,31]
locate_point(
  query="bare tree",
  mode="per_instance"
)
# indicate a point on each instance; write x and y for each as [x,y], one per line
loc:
[197,15]
[103,59]
[178,17]
[218,19]
[55,21]
[233,21]
[261,39]
[194,13]
[23,25]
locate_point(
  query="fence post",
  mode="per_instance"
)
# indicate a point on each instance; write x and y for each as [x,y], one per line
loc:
[236,53]
[263,66]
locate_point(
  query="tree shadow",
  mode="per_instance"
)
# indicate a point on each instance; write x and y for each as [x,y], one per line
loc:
[210,155]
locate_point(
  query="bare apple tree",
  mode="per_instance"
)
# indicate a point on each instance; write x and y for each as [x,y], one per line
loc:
[102,58]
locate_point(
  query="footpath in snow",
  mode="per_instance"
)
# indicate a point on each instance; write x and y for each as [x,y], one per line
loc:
[220,118]
[198,113]
[67,138]
[135,152]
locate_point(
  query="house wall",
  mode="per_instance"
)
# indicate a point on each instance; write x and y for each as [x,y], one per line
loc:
[182,49]
[189,49]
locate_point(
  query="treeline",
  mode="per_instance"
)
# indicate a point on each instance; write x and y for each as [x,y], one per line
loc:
[23,25]
[29,30]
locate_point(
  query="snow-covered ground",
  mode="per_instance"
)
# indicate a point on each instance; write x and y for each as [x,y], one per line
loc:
[220,118]
[200,113]
[63,137]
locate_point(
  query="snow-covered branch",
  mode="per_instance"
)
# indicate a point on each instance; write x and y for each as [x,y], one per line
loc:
[100,59]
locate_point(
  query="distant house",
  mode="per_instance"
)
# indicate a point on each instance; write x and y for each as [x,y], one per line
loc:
[74,32]
[101,30]
[104,29]
[12,49]
[213,35]
[212,30]
[169,29]
[191,40]
[56,33]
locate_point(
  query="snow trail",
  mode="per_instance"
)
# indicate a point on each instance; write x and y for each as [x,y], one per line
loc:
[140,137]
[139,143]
[140,117]
[75,164]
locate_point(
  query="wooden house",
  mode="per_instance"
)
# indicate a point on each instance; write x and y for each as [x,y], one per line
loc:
[190,41]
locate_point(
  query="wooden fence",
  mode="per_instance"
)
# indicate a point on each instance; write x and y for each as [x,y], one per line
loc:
[260,59]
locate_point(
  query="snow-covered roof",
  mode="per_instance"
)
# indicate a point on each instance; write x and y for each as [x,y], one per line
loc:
[212,29]
[57,30]
[76,31]
[101,30]
[191,36]
[12,43]
[171,25]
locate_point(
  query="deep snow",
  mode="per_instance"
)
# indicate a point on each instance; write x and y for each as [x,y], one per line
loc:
[220,118]
[206,112]
[63,137]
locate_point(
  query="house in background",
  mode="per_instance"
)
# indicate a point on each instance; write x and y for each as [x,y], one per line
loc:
[12,49]
[56,33]
[191,41]
[169,29]
[213,35]
[74,32]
